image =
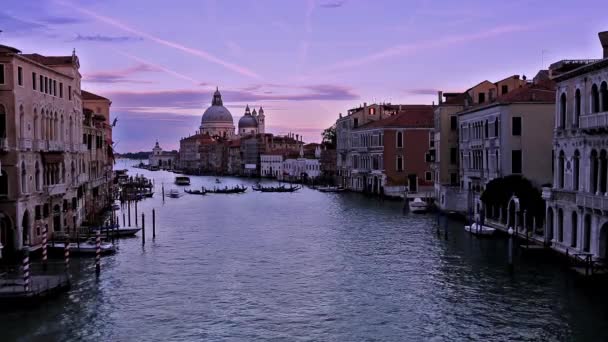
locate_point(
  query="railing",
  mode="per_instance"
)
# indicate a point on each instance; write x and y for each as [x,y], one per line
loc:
[25,144]
[57,189]
[82,178]
[55,146]
[592,201]
[594,120]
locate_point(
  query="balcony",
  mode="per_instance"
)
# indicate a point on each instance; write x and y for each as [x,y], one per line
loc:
[56,146]
[595,121]
[57,189]
[599,202]
[40,145]
[25,144]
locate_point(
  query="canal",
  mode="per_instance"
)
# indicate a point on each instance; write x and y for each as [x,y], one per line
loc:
[308,266]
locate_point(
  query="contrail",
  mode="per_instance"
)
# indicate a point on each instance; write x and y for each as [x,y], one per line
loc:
[159,67]
[195,52]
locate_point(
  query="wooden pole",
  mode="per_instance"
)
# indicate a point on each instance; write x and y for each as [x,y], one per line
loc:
[129,210]
[66,256]
[123,219]
[143,229]
[163,188]
[26,270]
[135,213]
[44,250]
[153,224]
[97,253]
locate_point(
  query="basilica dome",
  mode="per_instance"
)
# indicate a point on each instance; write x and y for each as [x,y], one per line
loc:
[217,113]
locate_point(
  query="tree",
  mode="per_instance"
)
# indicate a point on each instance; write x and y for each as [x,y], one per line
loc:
[329,136]
[498,193]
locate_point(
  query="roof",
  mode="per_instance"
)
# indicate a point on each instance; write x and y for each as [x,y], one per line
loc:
[49,60]
[414,116]
[585,68]
[454,98]
[543,92]
[9,49]
[90,96]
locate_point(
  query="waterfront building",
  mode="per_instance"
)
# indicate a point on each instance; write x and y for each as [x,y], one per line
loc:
[162,159]
[234,166]
[271,165]
[328,165]
[444,153]
[252,122]
[576,205]
[213,155]
[390,156]
[50,150]
[505,135]
[217,120]
[189,152]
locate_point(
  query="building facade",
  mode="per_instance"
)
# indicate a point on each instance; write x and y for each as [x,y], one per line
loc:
[166,160]
[577,203]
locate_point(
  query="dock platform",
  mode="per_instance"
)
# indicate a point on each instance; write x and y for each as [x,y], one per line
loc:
[12,290]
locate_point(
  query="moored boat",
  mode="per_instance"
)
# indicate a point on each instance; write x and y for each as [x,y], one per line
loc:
[418,206]
[173,193]
[226,190]
[121,231]
[330,189]
[480,229]
[280,188]
[182,180]
[88,247]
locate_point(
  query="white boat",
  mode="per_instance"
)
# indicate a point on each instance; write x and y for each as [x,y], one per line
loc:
[121,231]
[182,180]
[418,206]
[479,229]
[330,189]
[174,193]
[88,247]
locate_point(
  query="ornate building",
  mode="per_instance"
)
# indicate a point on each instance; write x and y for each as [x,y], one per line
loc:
[251,122]
[217,120]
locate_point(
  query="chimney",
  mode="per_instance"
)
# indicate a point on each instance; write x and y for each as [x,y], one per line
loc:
[604,40]
[440,96]
[364,104]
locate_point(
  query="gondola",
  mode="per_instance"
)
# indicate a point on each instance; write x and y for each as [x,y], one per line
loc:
[195,192]
[280,188]
[226,190]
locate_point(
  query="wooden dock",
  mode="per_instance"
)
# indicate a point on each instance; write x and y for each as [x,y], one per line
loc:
[12,289]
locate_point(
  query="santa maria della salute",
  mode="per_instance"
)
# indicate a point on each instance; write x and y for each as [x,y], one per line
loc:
[218,147]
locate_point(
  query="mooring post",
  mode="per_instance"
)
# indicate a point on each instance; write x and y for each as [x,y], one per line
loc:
[97,253]
[135,213]
[129,210]
[44,249]
[26,269]
[143,229]
[510,253]
[153,224]
[123,219]
[66,256]
[163,189]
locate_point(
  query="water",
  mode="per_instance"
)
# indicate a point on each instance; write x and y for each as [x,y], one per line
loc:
[309,266]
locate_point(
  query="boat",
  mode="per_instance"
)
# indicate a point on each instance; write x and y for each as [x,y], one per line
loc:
[116,206]
[418,206]
[280,188]
[173,193]
[195,192]
[479,229]
[182,180]
[87,247]
[147,194]
[330,189]
[121,231]
[239,189]
[217,181]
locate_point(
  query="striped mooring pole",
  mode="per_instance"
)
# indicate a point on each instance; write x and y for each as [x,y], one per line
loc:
[97,253]
[44,249]
[26,270]
[66,256]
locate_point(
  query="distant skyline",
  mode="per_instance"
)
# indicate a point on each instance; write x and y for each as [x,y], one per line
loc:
[303,61]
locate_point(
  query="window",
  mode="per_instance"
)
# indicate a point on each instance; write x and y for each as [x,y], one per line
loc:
[576,173]
[428,176]
[453,156]
[2,122]
[595,99]
[41,84]
[37,177]
[399,163]
[504,89]
[38,213]
[20,76]
[1,73]
[496,127]
[516,129]
[399,139]
[453,178]
[574,231]
[516,161]
[54,87]
[46,85]
[34,79]
[481,97]
[355,122]
[3,183]
[453,122]
[577,107]
[486,130]
[60,90]
[563,105]
[70,93]
[23,179]
[372,111]
[604,96]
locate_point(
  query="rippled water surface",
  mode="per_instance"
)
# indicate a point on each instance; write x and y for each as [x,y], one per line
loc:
[309,266]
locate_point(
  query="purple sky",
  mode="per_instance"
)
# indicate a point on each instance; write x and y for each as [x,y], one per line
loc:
[303,61]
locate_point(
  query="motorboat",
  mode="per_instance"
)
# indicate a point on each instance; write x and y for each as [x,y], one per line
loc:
[330,189]
[418,206]
[121,231]
[173,193]
[182,180]
[480,229]
[87,247]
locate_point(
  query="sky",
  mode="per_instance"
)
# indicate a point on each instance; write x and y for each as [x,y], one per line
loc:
[303,61]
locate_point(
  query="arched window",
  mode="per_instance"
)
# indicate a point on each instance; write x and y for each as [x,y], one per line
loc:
[399,139]
[577,106]
[35,124]
[603,166]
[23,179]
[593,172]
[574,230]
[604,96]
[560,225]
[563,109]
[595,99]
[587,234]
[560,169]
[21,122]
[576,173]
[73,173]
[2,122]
[37,180]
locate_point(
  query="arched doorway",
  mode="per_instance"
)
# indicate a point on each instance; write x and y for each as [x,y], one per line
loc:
[603,243]
[7,235]
[25,228]
[574,230]
[549,229]
[587,234]
[56,218]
